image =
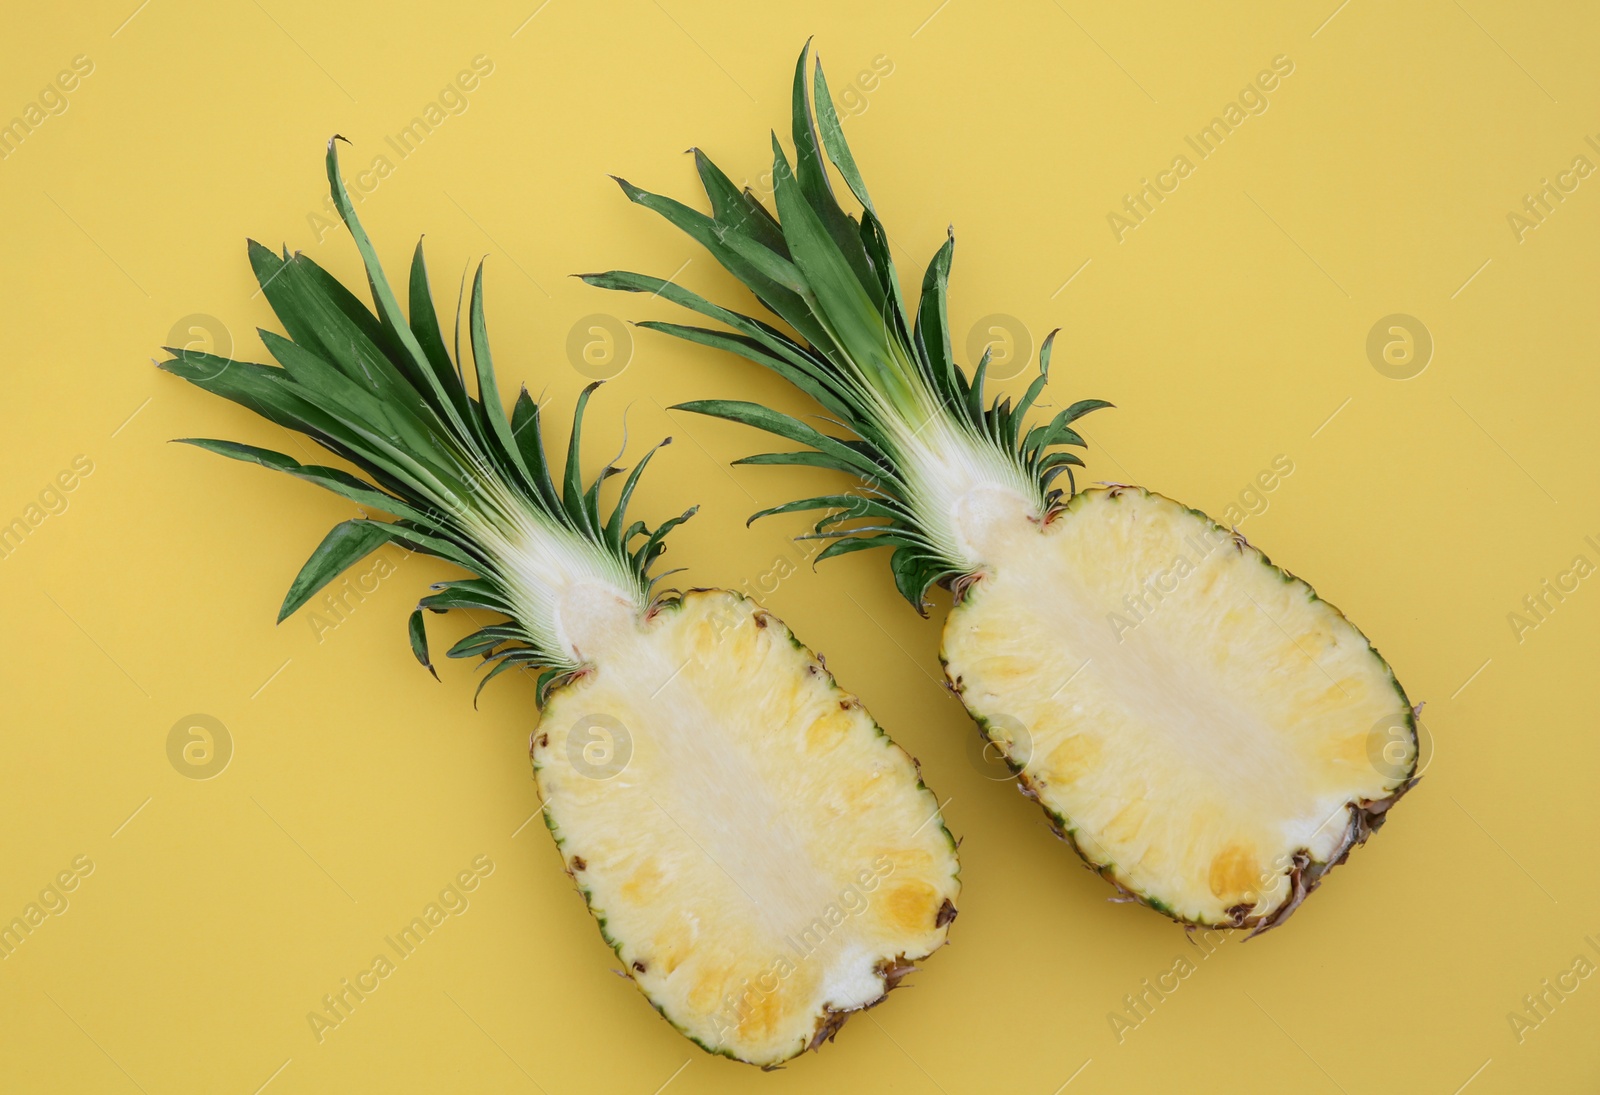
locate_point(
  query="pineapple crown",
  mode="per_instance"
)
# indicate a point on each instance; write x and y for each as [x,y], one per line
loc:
[886,375]
[463,481]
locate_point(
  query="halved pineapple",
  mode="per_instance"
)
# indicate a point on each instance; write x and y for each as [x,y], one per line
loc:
[1195,720]
[1212,741]
[764,860]
[760,854]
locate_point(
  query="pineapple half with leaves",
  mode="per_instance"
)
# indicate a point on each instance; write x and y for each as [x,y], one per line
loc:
[1209,735]
[763,859]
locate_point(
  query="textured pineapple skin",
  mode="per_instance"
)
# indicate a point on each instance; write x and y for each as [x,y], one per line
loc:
[1059,670]
[763,859]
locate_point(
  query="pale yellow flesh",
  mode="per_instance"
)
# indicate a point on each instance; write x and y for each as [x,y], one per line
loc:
[765,852]
[1196,740]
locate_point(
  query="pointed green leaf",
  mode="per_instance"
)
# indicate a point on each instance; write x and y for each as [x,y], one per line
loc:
[494,671]
[815,187]
[486,639]
[332,479]
[770,276]
[615,534]
[933,321]
[653,545]
[833,140]
[572,485]
[738,209]
[914,573]
[346,544]
[852,544]
[388,306]
[425,326]
[819,387]
[809,459]
[467,593]
[763,418]
[850,506]
[851,315]
[418,632]
[492,411]
[526,430]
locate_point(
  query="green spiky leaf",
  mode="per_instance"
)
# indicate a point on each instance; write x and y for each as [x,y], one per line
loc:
[419,641]
[462,481]
[346,544]
[881,367]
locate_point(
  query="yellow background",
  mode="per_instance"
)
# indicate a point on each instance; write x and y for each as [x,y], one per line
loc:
[1229,329]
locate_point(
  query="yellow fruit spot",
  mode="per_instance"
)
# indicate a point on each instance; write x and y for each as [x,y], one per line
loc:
[1005,667]
[706,992]
[828,730]
[764,1011]
[1354,749]
[1073,758]
[1126,823]
[910,905]
[672,944]
[1235,873]
[908,859]
[862,790]
[643,885]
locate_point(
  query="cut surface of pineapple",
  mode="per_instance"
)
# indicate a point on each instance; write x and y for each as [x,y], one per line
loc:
[761,856]
[1209,733]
